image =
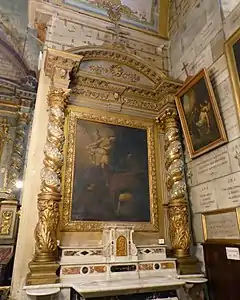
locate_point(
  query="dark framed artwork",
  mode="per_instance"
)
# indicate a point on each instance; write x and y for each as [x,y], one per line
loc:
[109,174]
[199,115]
[232,49]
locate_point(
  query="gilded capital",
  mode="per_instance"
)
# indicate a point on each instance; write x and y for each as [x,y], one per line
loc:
[59,64]
[169,119]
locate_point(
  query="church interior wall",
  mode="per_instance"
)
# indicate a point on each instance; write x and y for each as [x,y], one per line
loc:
[198,30]
[66,29]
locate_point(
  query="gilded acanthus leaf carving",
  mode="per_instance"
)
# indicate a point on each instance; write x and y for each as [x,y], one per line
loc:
[116,71]
[16,162]
[178,207]
[50,195]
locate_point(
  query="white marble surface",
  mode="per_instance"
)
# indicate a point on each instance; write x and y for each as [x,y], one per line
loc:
[105,286]
[43,291]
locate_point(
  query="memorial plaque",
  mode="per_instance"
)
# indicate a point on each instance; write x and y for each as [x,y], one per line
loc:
[203,198]
[225,95]
[222,225]
[217,45]
[204,60]
[208,32]
[228,6]
[212,165]
[234,153]
[191,31]
[232,23]
[231,123]
[228,191]
[219,71]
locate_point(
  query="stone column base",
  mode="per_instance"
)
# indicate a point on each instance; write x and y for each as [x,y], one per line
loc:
[188,265]
[42,273]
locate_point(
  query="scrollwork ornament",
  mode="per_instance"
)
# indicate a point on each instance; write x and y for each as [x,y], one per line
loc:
[50,194]
[18,151]
[179,227]
[175,178]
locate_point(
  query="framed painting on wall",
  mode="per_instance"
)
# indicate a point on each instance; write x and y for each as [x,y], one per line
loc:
[232,49]
[109,174]
[199,115]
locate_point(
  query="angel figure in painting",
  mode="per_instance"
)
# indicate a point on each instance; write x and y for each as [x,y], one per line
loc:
[99,149]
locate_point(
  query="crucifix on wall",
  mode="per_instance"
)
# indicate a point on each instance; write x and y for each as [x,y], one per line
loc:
[185,68]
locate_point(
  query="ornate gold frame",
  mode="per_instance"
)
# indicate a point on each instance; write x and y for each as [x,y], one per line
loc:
[163,16]
[219,212]
[74,113]
[189,84]
[235,81]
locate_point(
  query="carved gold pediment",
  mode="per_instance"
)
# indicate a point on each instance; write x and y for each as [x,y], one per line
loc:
[118,56]
[108,73]
[115,71]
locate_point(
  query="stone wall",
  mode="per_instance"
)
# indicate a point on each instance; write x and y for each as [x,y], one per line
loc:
[14,30]
[67,28]
[198,30]
[8,69]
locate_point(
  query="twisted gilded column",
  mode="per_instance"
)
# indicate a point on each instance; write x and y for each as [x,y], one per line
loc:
[179,224]
[43,266]
[17,157]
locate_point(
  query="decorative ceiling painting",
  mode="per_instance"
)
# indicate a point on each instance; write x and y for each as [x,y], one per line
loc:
[149,16]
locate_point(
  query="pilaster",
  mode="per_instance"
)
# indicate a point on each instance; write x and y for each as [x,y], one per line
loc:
[43,266]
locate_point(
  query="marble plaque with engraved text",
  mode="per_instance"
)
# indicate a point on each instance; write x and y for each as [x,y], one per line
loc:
[228,191]
[222,226]
[203,197]
[212,165]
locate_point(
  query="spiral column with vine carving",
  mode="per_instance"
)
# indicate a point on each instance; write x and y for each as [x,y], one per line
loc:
[17,157]
[178,205]
[43,267]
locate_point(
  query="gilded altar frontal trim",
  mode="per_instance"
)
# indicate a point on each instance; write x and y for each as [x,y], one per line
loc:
[109,177]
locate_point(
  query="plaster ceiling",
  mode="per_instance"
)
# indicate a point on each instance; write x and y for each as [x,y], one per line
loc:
[149,16]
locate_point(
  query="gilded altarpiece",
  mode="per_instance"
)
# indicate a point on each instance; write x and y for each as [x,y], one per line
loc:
[110,171]
[122,164]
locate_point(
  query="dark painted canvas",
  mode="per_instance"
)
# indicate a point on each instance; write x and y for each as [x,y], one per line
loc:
[200,116]
[110,173]
[201,121]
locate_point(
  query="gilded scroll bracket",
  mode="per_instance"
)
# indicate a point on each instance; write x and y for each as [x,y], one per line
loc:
[59,65]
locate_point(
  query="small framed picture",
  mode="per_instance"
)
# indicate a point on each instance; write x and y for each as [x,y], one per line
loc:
[232,49]
[199,115]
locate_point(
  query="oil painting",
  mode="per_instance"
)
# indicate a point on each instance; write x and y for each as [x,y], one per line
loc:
[232,49]
[148,16]
[110,172]
[199,115]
